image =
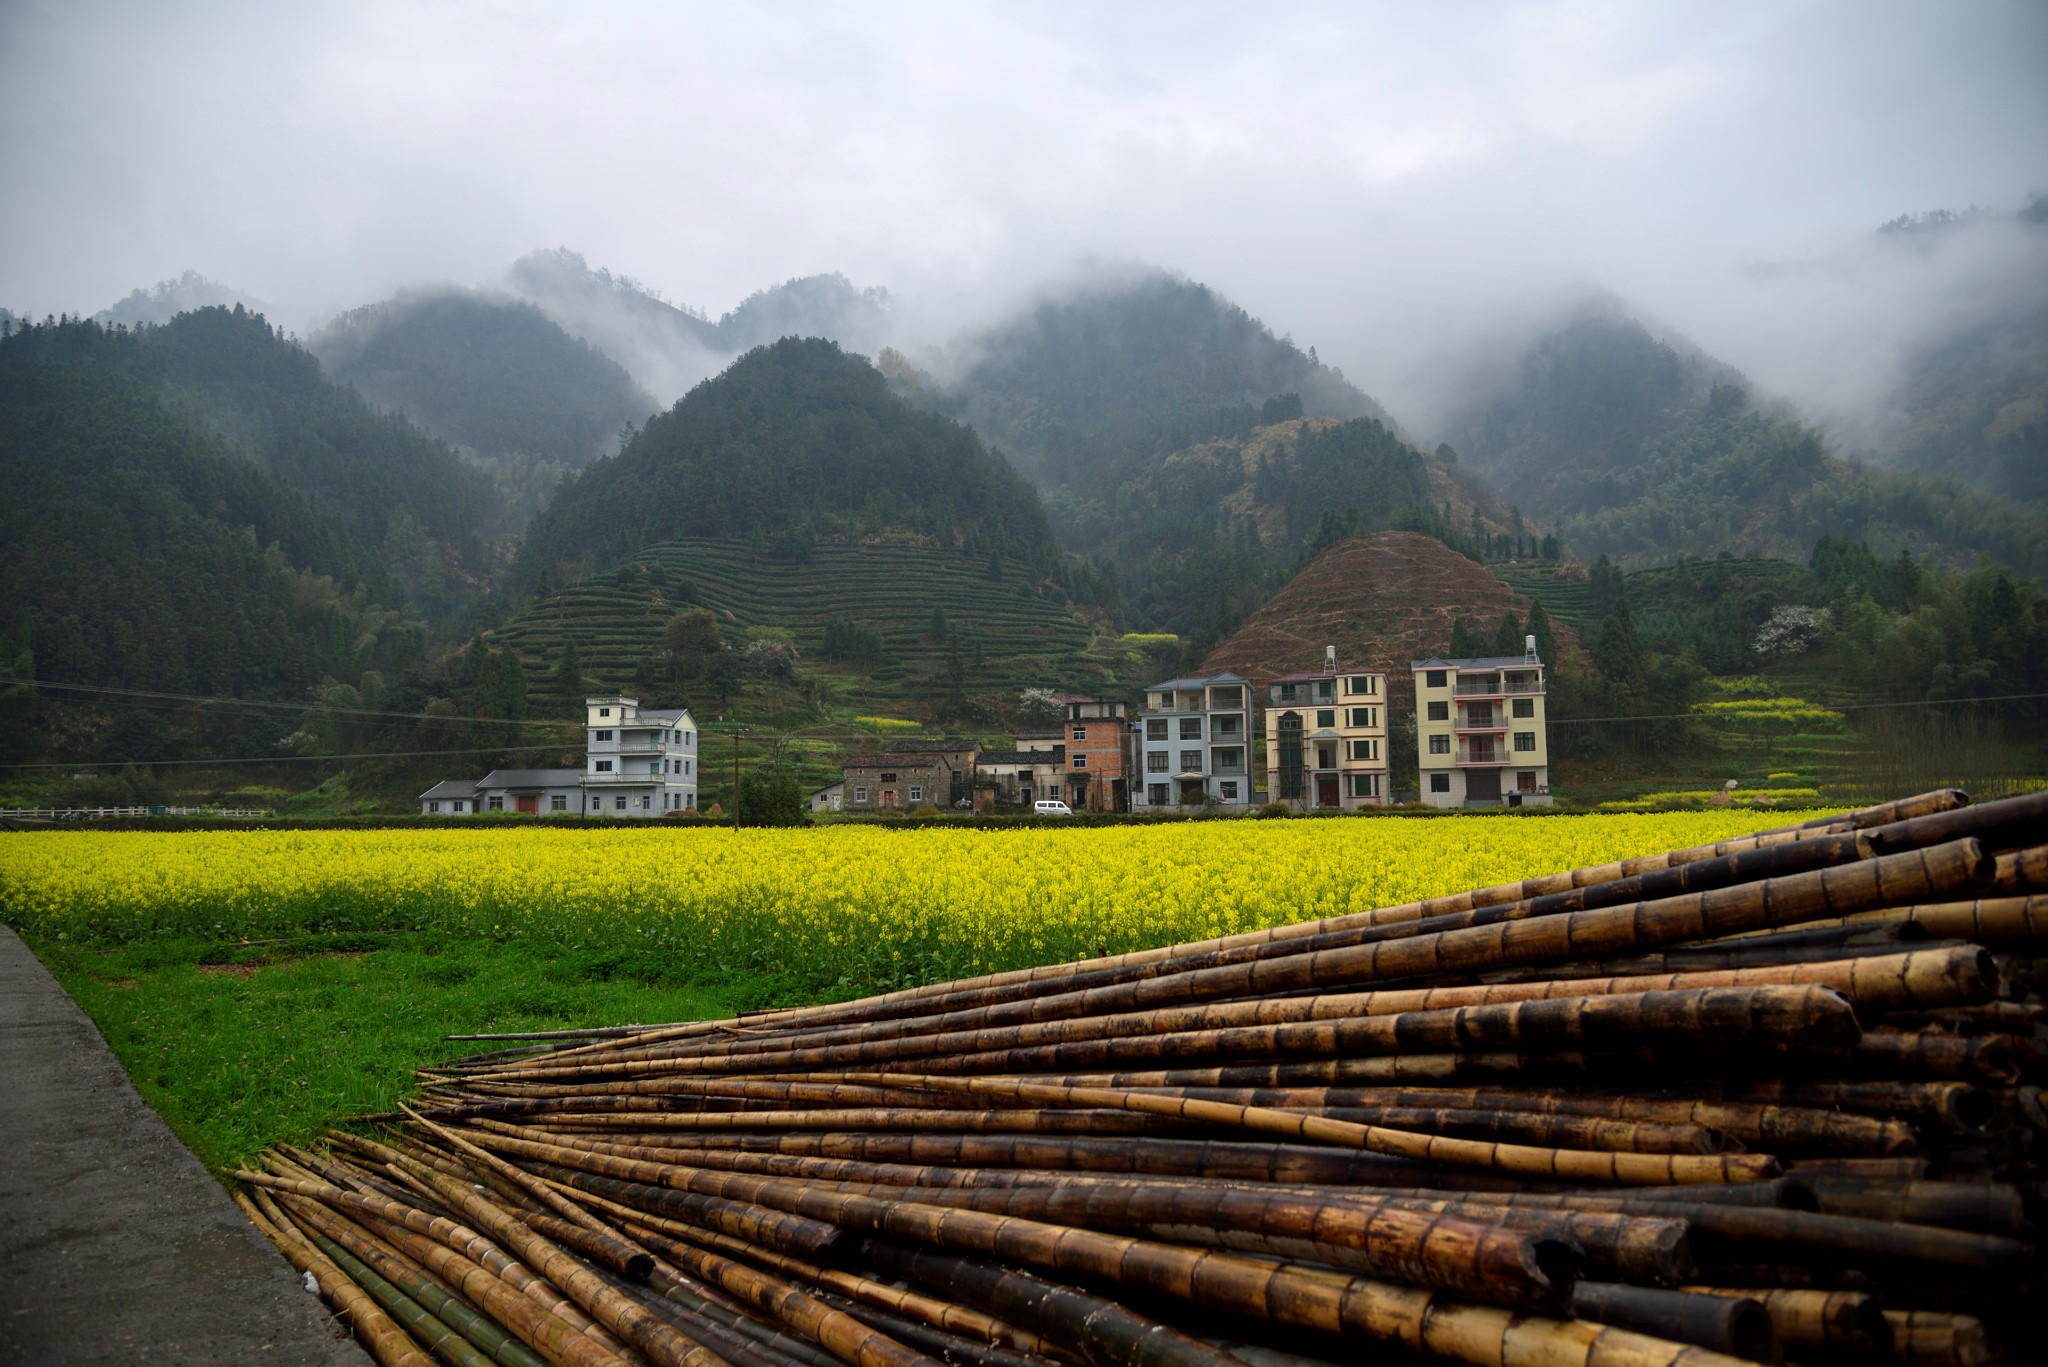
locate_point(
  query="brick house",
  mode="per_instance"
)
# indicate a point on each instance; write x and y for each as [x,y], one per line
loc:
[886,782]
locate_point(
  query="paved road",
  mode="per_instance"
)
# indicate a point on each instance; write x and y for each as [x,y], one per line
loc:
[115,1244]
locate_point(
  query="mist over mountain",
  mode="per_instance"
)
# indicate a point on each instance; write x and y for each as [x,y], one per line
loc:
[669,347]
[1088,385]
[1642,447]
[492,375]
[168,298]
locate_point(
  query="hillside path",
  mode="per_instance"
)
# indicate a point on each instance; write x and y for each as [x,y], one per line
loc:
[115,1244]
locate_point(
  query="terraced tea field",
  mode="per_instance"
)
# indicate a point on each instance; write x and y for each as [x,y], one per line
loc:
[1011,633]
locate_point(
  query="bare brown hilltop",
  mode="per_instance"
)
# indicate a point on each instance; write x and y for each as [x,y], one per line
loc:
[1384,601]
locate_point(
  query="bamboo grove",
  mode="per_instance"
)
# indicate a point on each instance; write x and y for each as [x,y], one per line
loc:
[1771,1099]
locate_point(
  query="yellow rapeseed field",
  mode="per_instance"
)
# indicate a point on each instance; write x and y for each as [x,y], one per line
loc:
[831,904]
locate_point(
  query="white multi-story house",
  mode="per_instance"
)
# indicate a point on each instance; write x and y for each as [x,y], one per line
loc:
[1194,744]
[1479,731]
[1326,738]
[639,762]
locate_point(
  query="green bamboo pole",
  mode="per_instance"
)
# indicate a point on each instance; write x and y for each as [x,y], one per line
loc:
[375,1329]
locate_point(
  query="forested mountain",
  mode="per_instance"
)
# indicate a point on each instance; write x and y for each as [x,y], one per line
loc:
[137,549]
[1201,537]
[1970,400]
[169,298]
[1089,387]
[491,374]
[669,347]
[796,442]
[405,499]
[1640,448]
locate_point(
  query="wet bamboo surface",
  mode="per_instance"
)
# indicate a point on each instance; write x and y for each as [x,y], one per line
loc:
[1776,1099]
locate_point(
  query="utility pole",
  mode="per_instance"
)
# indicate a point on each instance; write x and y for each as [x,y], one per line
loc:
[735,778]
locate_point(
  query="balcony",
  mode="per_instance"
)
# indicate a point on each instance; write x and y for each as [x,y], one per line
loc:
[1495,686]
[1483,756]
[1492,722]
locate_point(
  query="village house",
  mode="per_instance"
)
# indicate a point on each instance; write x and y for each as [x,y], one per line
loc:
[1097,742]
[1019,777]
[639,762]
[1326,738]
[1194,737]
[829,798]
[955,756]
[1480,733]
[886,782]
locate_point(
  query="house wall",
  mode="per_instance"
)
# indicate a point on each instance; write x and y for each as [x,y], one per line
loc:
[1207,731]
[1344,740]
[1450,746]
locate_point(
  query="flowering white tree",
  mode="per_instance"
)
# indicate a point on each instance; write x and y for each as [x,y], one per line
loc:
[1791,630]
[1039,704]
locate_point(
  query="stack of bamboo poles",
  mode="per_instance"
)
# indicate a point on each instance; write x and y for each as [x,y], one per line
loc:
[1772,1099]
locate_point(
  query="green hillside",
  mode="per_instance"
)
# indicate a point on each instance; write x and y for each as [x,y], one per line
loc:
[795,445]
[1007,633]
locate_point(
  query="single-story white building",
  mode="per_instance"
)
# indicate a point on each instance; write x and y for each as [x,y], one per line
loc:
[829,798]
[454,797]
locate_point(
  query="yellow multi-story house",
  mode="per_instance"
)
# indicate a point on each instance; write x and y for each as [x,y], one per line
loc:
[1480,735]
[1326,738]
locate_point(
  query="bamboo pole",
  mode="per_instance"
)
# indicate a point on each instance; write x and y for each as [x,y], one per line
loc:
[1739,1327]
[377,1331]
[1820,1325]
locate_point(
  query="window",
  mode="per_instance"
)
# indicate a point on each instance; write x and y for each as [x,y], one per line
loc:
[1432,678]
[1190,728]
[1287,692]
[497,804]
[1439,711]
[686,768]
[1228,761]
[860,795]
[1325,690]
[459,805]
[888,778]
[1052,790]
[646,803]
[1229,791]
[602,766]
[1326,717]
[1155,794]
[1365,785]
[433,806]
[1080,761]
[679,735]
[1326,757]
[1080,733]
[1226,696]
[1525,781]
[1365,749]
[1155,762]
[1525,707]
[1155,728]
[1191,761]
[1439,783]
[917,792]
[619,803]
[604,712]
[1439,745]
[1367,684]
[558,803]
[1222,726]
[600,735]
[1365,716]
[1525,740]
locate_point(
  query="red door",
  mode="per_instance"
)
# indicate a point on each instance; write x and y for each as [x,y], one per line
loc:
[1326,792]
[529,805]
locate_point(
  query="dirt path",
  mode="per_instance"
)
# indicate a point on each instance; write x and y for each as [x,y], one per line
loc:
[115,1245]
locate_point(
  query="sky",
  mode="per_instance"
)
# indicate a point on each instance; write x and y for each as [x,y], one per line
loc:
[1399,185]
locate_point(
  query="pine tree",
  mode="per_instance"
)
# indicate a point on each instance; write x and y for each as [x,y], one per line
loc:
[1539,627]
[1618,651]
[1508,640]
[1466,642]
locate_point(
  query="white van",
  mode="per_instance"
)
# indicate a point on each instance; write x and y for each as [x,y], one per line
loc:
[1051,807]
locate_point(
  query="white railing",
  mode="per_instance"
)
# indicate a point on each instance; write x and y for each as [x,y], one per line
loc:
[99,813]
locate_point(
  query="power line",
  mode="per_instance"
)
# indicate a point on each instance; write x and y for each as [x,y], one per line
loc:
[288,759]
[257,703]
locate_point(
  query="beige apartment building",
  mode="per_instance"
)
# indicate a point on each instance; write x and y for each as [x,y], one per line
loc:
[1326,738]
[1481,739]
